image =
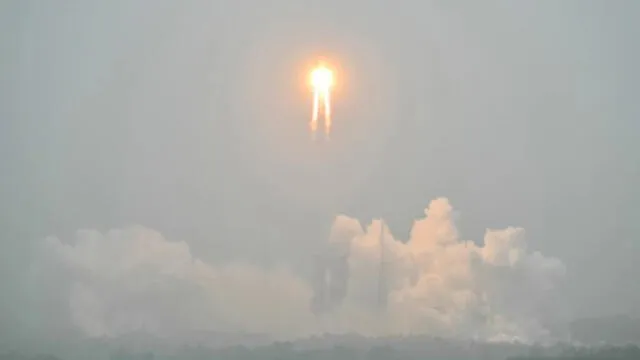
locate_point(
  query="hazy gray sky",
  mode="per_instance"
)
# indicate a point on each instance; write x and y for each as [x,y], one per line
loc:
[190,118]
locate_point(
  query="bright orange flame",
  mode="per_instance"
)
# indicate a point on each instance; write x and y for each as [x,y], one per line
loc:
[322,78]
[321,81]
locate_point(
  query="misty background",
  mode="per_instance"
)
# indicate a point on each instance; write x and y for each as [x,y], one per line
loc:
[190,120]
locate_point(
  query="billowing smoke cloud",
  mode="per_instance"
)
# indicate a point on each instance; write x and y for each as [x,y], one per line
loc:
[433,283]
[134,279]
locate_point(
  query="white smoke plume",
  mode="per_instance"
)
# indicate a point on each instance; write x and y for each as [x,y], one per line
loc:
[433,283]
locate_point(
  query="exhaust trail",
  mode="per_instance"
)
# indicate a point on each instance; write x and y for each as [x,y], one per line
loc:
[327,114]
[314,115]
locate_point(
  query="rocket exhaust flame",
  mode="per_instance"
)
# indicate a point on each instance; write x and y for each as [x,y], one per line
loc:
[321,81]
[327,113]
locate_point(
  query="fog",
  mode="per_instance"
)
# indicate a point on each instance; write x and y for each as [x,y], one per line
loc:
[157,174]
